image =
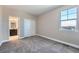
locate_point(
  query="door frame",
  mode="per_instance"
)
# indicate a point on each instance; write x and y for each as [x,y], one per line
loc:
[18,30]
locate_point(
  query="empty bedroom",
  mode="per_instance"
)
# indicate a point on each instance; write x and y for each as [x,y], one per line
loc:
[39,28]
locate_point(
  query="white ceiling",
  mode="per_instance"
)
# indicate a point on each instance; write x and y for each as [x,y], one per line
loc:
[34,9]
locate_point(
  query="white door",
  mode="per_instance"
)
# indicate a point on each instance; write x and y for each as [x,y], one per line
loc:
[27,27]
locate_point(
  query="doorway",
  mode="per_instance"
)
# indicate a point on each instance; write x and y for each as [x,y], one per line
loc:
[13,28]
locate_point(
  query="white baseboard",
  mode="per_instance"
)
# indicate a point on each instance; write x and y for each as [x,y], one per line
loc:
[0,43]
[9,40]
[21,37]
[27,36]
[73,45]
[4,42]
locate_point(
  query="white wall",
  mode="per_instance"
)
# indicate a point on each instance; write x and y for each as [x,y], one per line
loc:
[1,34]
[4,20]
[48,25]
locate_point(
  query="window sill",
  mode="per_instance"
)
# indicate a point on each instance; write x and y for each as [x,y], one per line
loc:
[65,30]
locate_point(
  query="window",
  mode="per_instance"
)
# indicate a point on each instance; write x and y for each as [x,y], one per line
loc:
[69,19]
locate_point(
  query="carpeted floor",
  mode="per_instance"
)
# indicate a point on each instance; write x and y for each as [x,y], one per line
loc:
[36,44]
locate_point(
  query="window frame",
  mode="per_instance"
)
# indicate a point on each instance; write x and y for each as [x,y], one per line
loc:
[76,28]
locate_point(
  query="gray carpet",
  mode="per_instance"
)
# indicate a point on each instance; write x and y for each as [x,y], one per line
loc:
[36,44]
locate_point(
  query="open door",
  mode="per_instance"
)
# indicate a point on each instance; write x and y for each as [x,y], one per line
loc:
[13,28]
